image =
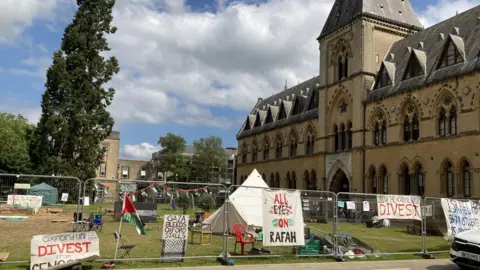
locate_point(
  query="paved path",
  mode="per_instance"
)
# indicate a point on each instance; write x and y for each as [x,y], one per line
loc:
[374,265]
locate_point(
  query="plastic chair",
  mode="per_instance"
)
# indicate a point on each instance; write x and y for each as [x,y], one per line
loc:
[98,222]
[239,232]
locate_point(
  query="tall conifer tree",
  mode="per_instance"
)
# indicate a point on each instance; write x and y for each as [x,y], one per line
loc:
[74,106]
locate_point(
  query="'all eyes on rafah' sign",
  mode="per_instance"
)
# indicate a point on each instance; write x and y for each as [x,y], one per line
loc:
[282,218]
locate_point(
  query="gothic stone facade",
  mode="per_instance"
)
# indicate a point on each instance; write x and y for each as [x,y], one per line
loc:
[395,110]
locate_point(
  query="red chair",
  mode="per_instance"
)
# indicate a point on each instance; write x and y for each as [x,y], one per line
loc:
[239,232]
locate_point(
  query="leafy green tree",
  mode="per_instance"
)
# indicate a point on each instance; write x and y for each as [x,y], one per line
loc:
[74,106]
[171,159]
[210,160]
[15,136]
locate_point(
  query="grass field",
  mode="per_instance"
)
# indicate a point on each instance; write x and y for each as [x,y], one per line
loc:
[15,238]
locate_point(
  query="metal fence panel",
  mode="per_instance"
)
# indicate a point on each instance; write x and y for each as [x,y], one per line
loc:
[34,205]
[436,228]
[318,217]
[361,234]
[154,200]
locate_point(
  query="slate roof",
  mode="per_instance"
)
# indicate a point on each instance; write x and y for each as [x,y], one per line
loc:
[302,94]
[428,47]
[398,12]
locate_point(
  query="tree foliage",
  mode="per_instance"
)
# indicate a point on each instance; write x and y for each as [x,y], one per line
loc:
[210,160]
[74,106]
[15,136]
[171,159]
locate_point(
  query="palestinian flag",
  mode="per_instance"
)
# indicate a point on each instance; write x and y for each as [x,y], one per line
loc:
[105,189]
[130,215]
[152,187]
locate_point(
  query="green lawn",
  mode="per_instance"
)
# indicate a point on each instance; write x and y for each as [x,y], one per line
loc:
[17,242]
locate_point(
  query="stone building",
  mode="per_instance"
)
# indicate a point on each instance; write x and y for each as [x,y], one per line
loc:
[109,167]
[395,109]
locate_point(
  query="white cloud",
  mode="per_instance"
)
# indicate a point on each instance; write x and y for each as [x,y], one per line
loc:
[176,65]
[16,107]
[17,15]
[444,9]
[141,151]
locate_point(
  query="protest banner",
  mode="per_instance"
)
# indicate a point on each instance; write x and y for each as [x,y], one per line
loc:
[56,251]
[399,207]
[25,201]
[460,216]
[282,218]
[174,238]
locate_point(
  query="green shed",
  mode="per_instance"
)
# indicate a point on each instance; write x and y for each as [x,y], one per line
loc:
[49,193]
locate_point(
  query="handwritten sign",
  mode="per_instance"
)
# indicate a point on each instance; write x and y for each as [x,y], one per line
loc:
[460,215]
[399,207]
[64,197]
[25,201]
[350,205]
[48,251]
[282,218]
[175,227]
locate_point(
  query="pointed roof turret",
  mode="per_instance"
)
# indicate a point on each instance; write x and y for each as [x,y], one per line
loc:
[398,12]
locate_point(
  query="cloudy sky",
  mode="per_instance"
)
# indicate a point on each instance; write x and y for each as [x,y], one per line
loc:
[191,67]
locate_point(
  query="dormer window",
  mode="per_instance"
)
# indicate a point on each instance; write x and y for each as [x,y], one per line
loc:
[269,118]
[296,107]
[282,113]
[383,78]
[313,101]
[414,69]
[258,122]
[247,124]
[450,55]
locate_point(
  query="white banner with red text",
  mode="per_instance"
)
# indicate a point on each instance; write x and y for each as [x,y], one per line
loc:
[59,250]
[399,207]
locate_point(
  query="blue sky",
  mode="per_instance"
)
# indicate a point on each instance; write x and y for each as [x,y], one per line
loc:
[194,68]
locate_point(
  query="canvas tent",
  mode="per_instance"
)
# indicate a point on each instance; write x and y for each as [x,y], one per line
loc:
[244,206]
[49,193]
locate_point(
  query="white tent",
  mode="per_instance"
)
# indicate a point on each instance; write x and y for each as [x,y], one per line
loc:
[244,206]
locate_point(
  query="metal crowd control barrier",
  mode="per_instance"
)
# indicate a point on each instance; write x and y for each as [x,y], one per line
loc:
[318,216]
[436,228]
[359,236]
[99,194]
[197,200]
[44,204]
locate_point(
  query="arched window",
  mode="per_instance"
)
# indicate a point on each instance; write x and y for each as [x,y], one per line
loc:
[415,128]
[449,180]
[452,127]
[384,132]
[376,134]
[372,175]
[293,183]
[306,180]
[342,137]
[407,187]
[345,73]
[310,146]
[337,138]
[288,180]
[279,147]
[419,175]
[384,179]
[266,149]
[442,122]
[272,180]
[254,152]
[340,68]
[293,145]
[348,141]
[277,180]
[244,154]
[406,129]
[313,180]
[466,179]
